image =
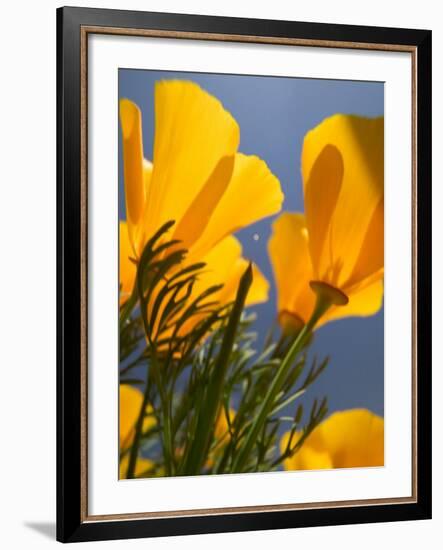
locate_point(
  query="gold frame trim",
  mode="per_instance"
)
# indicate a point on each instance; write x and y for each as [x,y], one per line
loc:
[84,32]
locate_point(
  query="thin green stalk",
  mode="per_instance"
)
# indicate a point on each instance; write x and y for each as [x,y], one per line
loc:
[199,444]
[167,431]
[138,430]
[321,306]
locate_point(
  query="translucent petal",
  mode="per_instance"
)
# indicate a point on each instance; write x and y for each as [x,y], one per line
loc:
[253,193]
[321,194]
[133,166]
[130,403]
[347,439]
[291,264]
[361,145]
[199,213]
[193,132]
[127,267]
[362,303]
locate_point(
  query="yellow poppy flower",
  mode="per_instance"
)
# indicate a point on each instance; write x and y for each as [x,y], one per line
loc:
[289,253]
[343,178]
[131,400]
[339,241]
[197,179]
[347,439]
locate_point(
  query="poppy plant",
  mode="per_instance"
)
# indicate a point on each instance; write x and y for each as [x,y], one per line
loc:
[184,284]
[197,179]
[335,248]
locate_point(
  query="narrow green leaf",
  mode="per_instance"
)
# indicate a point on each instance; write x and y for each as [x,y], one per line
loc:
[200,442]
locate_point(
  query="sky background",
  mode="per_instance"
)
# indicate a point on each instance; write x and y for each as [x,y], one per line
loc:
[274,114]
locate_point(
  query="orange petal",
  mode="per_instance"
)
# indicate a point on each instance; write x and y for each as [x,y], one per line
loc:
[127,268]
[371,258]
[349,439]
[192,133]
[225,266]
[360,143]
[363,302]
[253,193]
[131,401]
[321,194]
[355,438]
[291,263]
[133,166]
[199,212]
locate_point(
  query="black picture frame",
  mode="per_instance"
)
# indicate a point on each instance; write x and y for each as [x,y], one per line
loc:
[72,525]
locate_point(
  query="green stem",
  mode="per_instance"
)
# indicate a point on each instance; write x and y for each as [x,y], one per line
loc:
[167,430]
[323,303]
[138,430]
[200,440]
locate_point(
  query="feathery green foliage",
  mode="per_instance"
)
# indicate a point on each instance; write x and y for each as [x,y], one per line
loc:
[207,387]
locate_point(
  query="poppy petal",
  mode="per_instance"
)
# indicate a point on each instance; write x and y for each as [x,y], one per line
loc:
[362,303]
[133,166]
[193,132]
[354,438]
[127,267]
[131,401]
[360,143]
[253,193]
[347,439]
[291,264]
[197,216]
[321,194]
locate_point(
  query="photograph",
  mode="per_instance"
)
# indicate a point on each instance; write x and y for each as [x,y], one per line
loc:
[251,274]
[244,274]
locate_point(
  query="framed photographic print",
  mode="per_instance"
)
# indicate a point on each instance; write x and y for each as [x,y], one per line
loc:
[244,274]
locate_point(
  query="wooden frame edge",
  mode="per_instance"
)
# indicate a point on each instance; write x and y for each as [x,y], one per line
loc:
[90,29]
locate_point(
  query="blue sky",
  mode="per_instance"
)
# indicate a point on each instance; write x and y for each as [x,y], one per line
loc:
[274,114]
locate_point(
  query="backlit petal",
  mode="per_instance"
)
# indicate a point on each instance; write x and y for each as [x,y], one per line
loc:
[258,291]
[193,132]
[196,218]
[347,439]
[362,303]
[371,257]
[360,143]
[291,263]
[354,438]
[133,166]
[225,266]
[253,193]
[147,174]
[127,268]
[321,194]
[307,458]
[131,400]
